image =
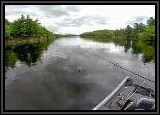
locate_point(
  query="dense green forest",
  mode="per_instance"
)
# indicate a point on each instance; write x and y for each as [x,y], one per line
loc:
[139,31]
[25,30]
[140,37]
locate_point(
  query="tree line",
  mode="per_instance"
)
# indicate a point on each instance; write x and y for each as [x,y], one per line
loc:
[139,31]
[25,28]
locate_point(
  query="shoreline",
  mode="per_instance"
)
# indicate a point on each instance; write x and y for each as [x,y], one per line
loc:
[19,41]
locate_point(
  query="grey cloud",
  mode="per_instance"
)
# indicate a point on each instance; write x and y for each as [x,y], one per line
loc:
[78,22]
[102,20]
[140,18]
[84,20]
[64,24]
[91,19]
[72,8]
[53,28]
[57,10]
[137,19]
[50,11]
[19,10]
[13,7]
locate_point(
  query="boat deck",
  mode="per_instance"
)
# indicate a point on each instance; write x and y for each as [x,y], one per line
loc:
[125,92]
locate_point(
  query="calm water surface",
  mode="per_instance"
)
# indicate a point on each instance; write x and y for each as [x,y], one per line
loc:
[67,74]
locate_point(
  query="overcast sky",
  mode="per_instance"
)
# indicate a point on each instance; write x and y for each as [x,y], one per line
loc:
[76,19]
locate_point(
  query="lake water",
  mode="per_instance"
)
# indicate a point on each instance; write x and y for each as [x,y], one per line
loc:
[71,73]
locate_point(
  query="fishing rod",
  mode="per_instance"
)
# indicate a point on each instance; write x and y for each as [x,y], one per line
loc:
[136,89]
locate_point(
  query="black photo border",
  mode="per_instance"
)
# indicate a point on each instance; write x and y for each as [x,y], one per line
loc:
[71,2]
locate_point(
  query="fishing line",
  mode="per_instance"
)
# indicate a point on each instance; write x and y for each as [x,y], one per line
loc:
[120,66]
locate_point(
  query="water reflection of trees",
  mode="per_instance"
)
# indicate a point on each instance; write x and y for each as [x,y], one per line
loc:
[10,57]
[28,53]
[147,48]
